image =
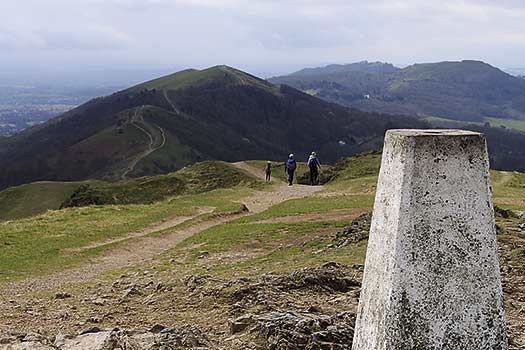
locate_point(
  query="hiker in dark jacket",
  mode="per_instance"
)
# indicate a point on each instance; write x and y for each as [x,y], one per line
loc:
[268,171]
[290,167]
[314,164]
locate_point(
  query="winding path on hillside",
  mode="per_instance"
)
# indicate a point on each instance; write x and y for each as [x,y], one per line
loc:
[143,246]
[170,102]
[151,147]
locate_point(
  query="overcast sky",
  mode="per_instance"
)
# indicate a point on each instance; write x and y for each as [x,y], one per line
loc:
[265,37]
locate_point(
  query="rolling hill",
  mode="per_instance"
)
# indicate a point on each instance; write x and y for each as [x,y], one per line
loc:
[219,113]
[38,197]
[466,90]
[193,115]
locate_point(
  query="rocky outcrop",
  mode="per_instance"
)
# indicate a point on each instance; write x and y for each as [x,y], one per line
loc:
[297,331]
[158,337]
[357,231]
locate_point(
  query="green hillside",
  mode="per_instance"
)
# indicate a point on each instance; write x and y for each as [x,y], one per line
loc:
[465,91]
[194,179]
[518,125]
[219,113]
[36,198]
[193,78]
[101,211]
[134,204]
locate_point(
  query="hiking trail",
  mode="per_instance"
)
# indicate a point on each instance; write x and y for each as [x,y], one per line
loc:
[154,143]
[142,246]
[170,102]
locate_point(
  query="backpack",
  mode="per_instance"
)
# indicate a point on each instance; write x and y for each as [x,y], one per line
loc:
[290,164]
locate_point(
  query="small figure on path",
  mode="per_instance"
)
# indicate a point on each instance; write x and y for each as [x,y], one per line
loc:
[268,171]
[290,167]
[314,164]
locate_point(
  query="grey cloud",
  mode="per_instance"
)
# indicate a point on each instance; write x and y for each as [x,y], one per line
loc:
[260,35]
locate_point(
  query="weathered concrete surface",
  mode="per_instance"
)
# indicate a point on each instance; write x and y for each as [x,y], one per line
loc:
[431,277]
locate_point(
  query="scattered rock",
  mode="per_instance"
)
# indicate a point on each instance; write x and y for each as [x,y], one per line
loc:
[203,254]
[313,309]
[332,277]
[27,346]
[33,337]
[100,340]
[130,291]
[181,337]
[93,329]
[157,328]
[62,295]
[241,323]
[98,301]
[149,300]
[357,231]
[60,339]
[294,331]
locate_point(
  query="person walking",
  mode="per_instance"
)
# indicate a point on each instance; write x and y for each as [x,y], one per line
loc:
[289,168]
[314,164]
[268,171]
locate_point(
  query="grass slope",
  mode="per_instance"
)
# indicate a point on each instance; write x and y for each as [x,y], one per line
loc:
[35,198]
[192,78]
[518,125]
[198,178]
[39,244]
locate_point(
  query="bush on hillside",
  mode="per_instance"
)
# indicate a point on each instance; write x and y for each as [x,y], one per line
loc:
[86,195]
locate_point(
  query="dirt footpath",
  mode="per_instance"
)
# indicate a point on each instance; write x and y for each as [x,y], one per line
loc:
[142,246]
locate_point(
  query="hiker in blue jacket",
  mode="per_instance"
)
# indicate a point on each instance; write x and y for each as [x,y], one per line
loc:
[290,167]
[314,164]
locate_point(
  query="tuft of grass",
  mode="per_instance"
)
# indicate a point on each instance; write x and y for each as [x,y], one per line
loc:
[508,189]
[312,205]
[293,257]
[263,246]
[230,236]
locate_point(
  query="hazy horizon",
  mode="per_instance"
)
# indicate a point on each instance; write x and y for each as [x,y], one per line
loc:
[123,77]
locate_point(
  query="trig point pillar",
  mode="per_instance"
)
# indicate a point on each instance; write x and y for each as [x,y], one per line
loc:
[431,279]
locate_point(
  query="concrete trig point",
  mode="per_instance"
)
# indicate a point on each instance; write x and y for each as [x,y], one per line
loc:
[431,277]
